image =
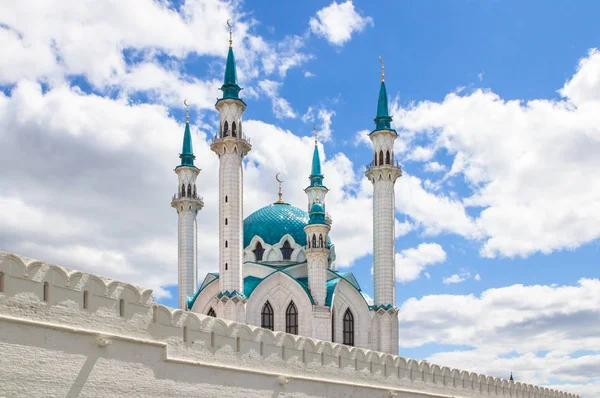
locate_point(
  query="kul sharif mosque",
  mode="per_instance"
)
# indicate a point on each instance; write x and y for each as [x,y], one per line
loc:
[276,266]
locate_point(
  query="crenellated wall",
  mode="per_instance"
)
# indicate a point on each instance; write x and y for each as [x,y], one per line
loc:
[66,333]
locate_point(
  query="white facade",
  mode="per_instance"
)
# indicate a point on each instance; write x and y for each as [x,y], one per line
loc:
[64,333]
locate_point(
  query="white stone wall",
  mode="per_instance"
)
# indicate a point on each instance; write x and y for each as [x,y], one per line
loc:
[57,346]
[273,252]
[384,244]
[317,261]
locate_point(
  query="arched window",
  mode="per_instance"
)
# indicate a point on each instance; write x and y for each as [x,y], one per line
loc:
[387,157]
[332,325]
[380,157]
[1,282]
[375,158]
[225,198]
[46,291]
[182,190]
[225,243]
[286,250]
[291,319]
[225,129]
[194,191]
[314,241]
[348,328]
[320,240]
[85,299]
[121,308]
[233,130]
[258,252]
[225,221]
[225,266]
[189,191]
[266,317]
[212,313]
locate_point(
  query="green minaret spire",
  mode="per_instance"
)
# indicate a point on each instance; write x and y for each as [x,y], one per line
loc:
[383,118]
[316,178]
[187,153]
[230,87]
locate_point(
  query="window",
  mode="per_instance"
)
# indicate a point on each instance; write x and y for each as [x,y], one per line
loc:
[266,317]
[380,157]
[194,195]
[314,241]
[320,240]
[387,157]
[212,313]
[182,190]
[286,250]
[225,266]
[1,282]
[225,129]
[121,307]
[258,252]
[225,221]
[375,158]
[225,243]
[332,325]
[46,292]
[233,129]
[185,334]
[225,198]
[348,328]
[291,319]
[189,191]
[85,299]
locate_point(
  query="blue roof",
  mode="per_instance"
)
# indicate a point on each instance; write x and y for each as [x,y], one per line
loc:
[230,86]
[272,222]
[383,118]
[187,154]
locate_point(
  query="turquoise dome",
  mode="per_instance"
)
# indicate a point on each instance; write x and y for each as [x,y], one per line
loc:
[272,222]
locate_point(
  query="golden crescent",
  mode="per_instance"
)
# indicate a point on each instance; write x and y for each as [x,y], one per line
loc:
[315,127]
[380,59]
[185,102]
[277,178]
[228,24]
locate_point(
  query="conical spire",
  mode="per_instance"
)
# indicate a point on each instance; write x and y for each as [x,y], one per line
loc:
[187,154]
[230,87]
[316,178]
[383,118]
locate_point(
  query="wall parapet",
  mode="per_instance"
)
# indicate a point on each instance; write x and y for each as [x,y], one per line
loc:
[46,295]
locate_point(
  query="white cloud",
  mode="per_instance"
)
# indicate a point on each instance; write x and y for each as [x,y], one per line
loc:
[529,165]
[280,106]
[477,277]
[324,115]
[421,154]
[309,74]
[533,331]
[337,22]
[411,262]
[454,278]
[434,167]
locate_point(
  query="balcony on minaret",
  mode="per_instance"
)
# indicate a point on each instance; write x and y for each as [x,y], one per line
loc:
[229,135]
[192,197]
[392,164]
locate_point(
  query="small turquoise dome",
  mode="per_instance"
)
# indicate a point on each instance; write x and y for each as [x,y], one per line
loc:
[317,214]
[272,222]
[317,208]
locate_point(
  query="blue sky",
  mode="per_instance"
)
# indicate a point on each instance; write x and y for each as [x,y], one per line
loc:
[495,103]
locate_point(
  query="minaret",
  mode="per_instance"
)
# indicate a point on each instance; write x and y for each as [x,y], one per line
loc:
[383,172]
[231,145]
[317,257]
[187,203]
[316,189]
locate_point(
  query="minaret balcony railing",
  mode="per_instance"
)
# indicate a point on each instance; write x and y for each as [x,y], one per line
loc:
[239,136]
[192,196]
[394,164]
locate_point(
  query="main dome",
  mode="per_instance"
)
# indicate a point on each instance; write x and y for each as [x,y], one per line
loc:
[272,222]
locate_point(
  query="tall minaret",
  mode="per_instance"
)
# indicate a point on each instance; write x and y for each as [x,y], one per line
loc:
[231,145]
[316,189]
[187,203]
[383,172]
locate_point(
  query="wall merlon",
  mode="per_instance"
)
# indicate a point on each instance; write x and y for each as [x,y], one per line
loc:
[214,342]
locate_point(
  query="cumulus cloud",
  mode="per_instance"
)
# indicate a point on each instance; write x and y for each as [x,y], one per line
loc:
[280,106]
[337,22]
[532,331]
[454,278]
[411,262]
[529,166]
[322,116]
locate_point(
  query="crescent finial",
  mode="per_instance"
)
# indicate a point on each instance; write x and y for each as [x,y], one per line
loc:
[382,69]
[316,133]
[187,111]
[280,200]
[230,33]
[277,178]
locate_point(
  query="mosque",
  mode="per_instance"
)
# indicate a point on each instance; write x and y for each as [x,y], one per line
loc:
[277,265]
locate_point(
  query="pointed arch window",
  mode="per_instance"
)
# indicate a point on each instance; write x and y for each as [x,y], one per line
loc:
[314,241]
[233,129]
[387,157]
[258,252]
[291,319]
[287,250]
[189,191]
[183,190]
[380,157]
[375,158]
[212,312]
[266,316]
[321,241]
[348,328]
[332,325]
[225,129]
[194,195]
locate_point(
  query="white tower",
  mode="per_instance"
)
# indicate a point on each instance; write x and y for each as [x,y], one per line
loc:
[383,172]
[187,203]
[231,145]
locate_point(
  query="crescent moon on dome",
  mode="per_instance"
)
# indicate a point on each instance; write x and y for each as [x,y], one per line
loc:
[277,178]
[229,24]
[185,102]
